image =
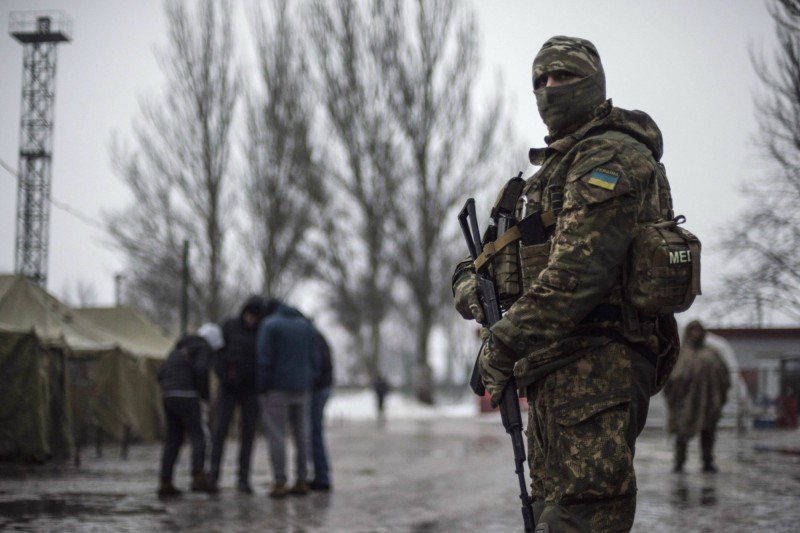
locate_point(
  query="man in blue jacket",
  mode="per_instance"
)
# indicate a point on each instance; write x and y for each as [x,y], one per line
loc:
[288,364]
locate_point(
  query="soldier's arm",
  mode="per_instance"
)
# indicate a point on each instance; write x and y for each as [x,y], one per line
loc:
[463,270]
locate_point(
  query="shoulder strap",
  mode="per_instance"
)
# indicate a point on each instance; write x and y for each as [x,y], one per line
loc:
[491,249]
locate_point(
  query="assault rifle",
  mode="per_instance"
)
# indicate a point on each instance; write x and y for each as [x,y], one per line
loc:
[502,216]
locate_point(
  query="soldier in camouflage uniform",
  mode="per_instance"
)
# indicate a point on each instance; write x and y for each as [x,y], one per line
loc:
[696,392]
[587,377]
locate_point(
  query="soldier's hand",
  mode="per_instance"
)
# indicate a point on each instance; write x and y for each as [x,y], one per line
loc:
[467,303]
[496,367]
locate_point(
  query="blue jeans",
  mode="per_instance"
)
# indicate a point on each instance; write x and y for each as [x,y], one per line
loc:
[319,398]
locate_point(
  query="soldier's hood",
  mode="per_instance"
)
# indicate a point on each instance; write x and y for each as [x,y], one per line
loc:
[637,124]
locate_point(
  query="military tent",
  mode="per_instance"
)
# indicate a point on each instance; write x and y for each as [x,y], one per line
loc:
[106,382]
[137,335]
[35,420]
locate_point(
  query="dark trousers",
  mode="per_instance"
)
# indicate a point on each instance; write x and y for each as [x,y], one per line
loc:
[226,403]
[319,397]
[183,418]
[707,438]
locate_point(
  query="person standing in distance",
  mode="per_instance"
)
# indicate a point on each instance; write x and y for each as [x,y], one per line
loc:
[696,392]
[236,370]
[587,377]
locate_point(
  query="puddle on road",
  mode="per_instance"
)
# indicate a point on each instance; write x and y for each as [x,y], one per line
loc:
[427,526]
[784,450]
[70,505]
[685,495]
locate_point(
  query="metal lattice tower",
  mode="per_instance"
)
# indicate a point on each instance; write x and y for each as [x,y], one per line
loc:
[39,32]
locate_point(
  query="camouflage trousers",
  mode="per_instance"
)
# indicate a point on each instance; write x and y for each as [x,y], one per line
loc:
[583,421]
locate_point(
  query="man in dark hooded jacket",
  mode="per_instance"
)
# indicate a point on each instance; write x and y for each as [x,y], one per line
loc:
[288,366]
[184,384]
[236,370]
[586,373]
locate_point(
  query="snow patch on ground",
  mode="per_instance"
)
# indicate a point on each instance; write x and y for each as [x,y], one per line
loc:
[362,405]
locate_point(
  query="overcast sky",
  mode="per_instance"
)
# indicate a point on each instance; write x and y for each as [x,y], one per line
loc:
[684,62]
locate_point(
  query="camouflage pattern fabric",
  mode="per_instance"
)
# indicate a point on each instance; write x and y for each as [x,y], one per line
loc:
[466,296]
[572,54]
[496,366]
[578,424]
[592,233]
[586,405]
[463,269]
[588,392]
[583,421]
[696,390]
[566,107]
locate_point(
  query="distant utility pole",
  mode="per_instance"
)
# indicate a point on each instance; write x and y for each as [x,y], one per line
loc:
[185,281]
[118,289]
[39,32]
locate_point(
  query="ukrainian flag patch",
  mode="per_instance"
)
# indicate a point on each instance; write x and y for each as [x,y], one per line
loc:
[607,179]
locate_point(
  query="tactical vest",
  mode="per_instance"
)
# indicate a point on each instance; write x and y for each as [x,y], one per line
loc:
[662,272]
[660,276]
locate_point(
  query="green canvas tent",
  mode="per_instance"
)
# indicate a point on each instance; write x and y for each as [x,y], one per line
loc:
[35,422]
[107,384]
[137,335]
[131,329]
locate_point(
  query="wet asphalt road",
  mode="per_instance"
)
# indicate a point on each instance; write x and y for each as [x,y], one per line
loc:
[415,476]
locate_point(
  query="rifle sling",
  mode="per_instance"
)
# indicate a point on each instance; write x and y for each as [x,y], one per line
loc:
[513,234]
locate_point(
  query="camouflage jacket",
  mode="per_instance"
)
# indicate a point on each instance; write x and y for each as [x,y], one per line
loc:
[606,174]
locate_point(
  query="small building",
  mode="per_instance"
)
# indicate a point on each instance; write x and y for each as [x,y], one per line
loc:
[769,365]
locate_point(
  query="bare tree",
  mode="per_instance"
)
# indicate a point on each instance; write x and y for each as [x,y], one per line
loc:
[353,257]
[429,65]
[764,243]
[179,167]
[149,232]
[397,82]
[283,178]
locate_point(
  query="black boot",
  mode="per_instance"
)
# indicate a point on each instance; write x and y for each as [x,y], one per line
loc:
[680,454]
[200,483]
[710,468]
[167,490]
[707,450]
